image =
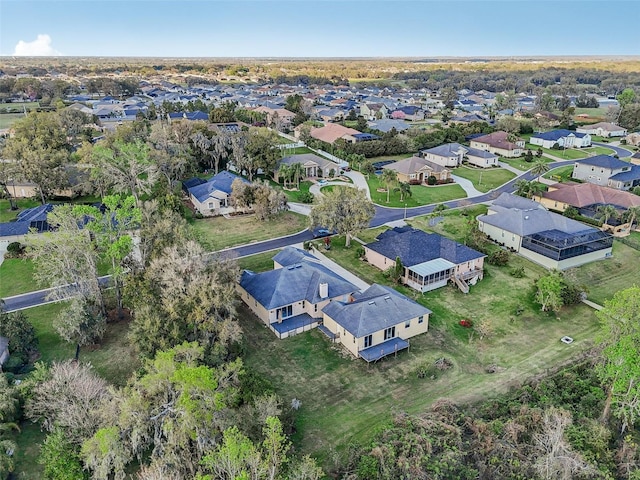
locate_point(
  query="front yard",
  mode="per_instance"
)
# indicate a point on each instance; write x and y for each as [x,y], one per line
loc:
[484,179]
[17,277]
[218,233]
[420,194]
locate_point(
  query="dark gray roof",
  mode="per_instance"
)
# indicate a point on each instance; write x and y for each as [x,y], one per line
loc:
[291,255]
[308,157]
[604,161]
[446,150]
[557,134]
[416,246]
[633,174]
[9,229]
[508,200]
[294,283]
[375,309]
[476,152]
[221,182]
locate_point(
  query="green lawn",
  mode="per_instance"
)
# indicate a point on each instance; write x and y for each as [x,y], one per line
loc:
[7,215]
[491,177]
[521,164]
[8,119]
[345,401]
[421,194]
[294,195]
[606,277]
[218,232]
[17,277]
[561,174]
[260,262]
[453,224]
[568,154]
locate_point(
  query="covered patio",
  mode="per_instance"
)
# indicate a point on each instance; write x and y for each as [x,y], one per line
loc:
[393,345]
[294,325]
[430,275]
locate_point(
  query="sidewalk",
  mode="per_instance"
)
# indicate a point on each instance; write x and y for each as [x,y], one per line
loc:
[515,170]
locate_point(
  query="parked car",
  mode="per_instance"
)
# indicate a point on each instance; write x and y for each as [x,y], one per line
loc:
[320,232]
[322,182]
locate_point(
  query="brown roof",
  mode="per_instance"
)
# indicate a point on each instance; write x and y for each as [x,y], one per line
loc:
[584,194]
[331,132]
[497,140]
[413,164]
[610,127]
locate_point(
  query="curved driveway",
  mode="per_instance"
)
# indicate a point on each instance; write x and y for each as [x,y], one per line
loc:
[621,152]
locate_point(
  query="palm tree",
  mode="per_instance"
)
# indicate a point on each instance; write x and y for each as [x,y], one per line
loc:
[535,188]
[539,168]
[606,212]
[297,172]
[389,178]
[405,189]
[284,172]
[632,213]
[523,188]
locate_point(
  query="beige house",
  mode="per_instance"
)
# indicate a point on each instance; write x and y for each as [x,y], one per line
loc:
[213,197]
[498,144]
[332,132]
[375,323]
[418,170]
[289,299]
[313,165]
[603,129]
[633,139]
[583,195]
[279,117]
[551,240]
[429,260]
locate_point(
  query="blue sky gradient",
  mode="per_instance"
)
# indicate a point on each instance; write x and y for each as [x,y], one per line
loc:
[305,28]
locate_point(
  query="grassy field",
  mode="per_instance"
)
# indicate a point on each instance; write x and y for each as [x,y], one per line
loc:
[344,400]
[521,164]
[219,232]
[606,277]
[17,277]
[8,119]
[561,174]
[260,262]
[421,194]
[573,153]
[491,177]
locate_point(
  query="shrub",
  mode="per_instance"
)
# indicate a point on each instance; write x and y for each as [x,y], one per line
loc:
[431,180]
[305,197]
[359,252]
[517,272]
[499,258]
[414,181]
[14,250]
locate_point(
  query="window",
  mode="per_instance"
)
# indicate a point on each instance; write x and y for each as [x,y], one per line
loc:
[315,308]
[210,205]
[390,333]
[407,324]
[368,340]
[421,319]
[285,312]
[303,303]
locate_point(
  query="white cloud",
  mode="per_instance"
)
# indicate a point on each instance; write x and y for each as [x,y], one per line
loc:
[40,47]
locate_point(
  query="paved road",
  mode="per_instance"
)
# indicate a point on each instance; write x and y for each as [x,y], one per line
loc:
[35,299]
[622,152]
[383,215]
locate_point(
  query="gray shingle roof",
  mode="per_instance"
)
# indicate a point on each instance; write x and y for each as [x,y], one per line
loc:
[507,200]
[604,161]
[446,150]
[291,255]
[221,182]
[294,283]
[475,152]
[375,309]
[633,174]
[557,134]
[416,246]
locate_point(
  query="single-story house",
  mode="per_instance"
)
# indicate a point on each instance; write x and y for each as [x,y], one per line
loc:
[562,138]
[387,124]
[4,351]
[375,323]
[430,260]
[281,116]
[212,197]
[332,132]
[551,240]
[30,219]
[633,139]
[603,129]
[314,165]
[609,171]
[499,144]
[290,298]
[418,169]
[192,116]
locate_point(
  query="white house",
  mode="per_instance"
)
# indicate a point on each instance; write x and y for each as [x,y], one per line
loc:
[563,138]
[603,129]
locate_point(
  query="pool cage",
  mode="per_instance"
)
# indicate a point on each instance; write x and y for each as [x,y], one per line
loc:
[559,245]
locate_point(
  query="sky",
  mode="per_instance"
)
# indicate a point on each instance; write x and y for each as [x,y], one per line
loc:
[319,28]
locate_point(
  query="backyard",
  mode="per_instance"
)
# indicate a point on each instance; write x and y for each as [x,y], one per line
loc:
[218,233]
[420,194]
[484,179]
[345,400]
